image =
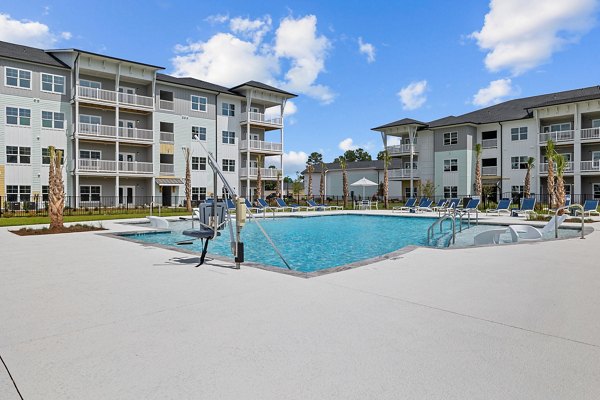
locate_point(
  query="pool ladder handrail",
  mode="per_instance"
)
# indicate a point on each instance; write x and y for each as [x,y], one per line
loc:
[579,206]
[447,216]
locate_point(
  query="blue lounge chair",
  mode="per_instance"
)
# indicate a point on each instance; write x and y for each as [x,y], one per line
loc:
[440,205]
[264,206]
[206,231]
[410,203]
[250,207]
[471,206]
[230,205]
[527,206]
[318,207]
[424,205]
[589,207]
[503,207]
[281,205]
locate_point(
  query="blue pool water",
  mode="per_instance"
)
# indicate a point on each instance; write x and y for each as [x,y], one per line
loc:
[313,243]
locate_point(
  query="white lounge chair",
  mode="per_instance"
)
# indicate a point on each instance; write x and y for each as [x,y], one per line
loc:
[489,237]
[524,233]
[158,222]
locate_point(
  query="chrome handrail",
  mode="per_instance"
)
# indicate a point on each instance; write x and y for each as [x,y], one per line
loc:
[579,206]
[451,217]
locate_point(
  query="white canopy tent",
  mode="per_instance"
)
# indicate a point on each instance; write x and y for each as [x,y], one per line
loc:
[364,182]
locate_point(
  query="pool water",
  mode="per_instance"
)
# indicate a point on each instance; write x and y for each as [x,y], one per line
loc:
[312,243]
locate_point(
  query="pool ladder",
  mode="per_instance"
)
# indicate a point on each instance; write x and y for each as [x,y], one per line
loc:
[452,215]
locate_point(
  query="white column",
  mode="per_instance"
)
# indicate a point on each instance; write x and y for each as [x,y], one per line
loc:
[411,138]
[282,150]
[76,136]
[577,189]
[117,117]
[248,103]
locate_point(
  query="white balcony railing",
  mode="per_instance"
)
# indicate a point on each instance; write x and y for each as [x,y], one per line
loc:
[543,168]
[259,145]
[93,165]
[262,118]
[590,166]
[557,137]
[590,134]
[102,131]
[400,149]
[266,173]
[489,171]
[167,169]
[145,135]
[167,137]
[402,173]
[136,100]
[489,143]
[135,167]
[165,105]
[88,93]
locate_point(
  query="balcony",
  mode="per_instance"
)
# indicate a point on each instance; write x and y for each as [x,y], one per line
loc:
[402,173]
[166,105]
[109,97]
[97,131]
[590,166]
[543,168]
[136,134]
[590,134]
[167,169]
[167,137]
[256,118]
[489,171]
[266,173]
[557,137]
[260,146]
[96,166]
[135,167]
[489,143]
[401,149]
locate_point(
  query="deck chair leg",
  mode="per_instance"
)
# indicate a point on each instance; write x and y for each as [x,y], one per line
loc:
[204,250]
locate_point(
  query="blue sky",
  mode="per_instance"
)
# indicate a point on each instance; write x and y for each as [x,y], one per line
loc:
[354,67]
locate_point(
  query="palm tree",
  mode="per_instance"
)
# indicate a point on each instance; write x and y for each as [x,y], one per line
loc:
[550,153]
[561,164]
[343,165]
[478,170]
[278,186]
[530,165]
[259,177]
[310,168]
[56,190]
[187,154]
[322,183]
[386,184]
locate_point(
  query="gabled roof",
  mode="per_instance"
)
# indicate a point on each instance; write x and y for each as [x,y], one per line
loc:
[102,55]
[260,85]
[30,54]
[401,122]
[195,83]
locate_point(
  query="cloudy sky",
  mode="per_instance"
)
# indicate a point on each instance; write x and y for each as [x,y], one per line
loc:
[353,67]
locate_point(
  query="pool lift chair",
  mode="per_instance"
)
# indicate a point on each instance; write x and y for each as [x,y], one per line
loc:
[214,216]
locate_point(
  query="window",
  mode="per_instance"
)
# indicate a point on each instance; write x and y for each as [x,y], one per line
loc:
[89,193]
[90,84]
[228,109]
[12,193]
[519,162]
[450,192]
[195,193]
[407,192]
[45,191]
[46,156]
[90,154]
[198,133]
[518,133]
[53,83]
[596,123]
[195,162]
[18,116]
[54,120]
[407,165]
[198,193]
[199,103]
[90,119]
[18,155]
[595,190]
[228,165]
[451,165]
[517,190]
[25,193]
[20,78]
[565,126]
[202,164]
[450,138]
[228,137]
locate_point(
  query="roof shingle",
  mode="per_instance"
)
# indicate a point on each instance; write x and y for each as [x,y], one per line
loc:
[29,54]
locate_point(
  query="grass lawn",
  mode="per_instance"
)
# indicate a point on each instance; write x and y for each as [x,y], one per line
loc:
[15,221]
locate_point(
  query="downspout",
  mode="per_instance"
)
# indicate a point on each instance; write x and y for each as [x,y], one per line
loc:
[501,170]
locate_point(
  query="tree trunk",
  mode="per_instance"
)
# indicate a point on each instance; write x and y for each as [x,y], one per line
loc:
[527,189]
[56,190]
[259,192]
[386,187]
[310,170]
[560,191]
[345,187]
[478,177]
[322,185]
[187,153]
[551,189]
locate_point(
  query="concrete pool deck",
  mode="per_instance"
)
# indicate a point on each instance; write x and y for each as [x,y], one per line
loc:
[86,316]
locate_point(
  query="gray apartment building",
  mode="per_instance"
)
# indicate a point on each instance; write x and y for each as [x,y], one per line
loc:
[123,126]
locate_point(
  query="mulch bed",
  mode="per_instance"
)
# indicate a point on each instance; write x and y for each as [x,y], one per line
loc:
[64,229]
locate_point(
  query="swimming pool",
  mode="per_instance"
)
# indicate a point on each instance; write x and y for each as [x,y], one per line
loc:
[311,243]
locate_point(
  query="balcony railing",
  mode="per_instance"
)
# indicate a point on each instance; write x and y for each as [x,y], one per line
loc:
[400,149]
[102,131]
[167,169]
[590,134]
[267,173]
[489,143]
[93,165]
[590,166]
[113,97]
[402,173]
[145,135]
[259,145]
[489,171]
[136,100]
[543,168]
[557,137]
[135,167]
[262,119]
[167,137]
[166,105]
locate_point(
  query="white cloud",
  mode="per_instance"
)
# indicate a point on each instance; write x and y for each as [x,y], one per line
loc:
[295,43]
[66,35]
[289,110]
[520,35]
[217,19]
[367,49]
[294,161]
[494,93]
[347,144]
[28,33]
[413,95]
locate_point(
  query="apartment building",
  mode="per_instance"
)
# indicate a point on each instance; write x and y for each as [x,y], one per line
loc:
[443,150]
[124,126]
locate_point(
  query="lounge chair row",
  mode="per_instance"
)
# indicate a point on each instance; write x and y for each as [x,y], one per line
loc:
[263,206]
[442,205]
